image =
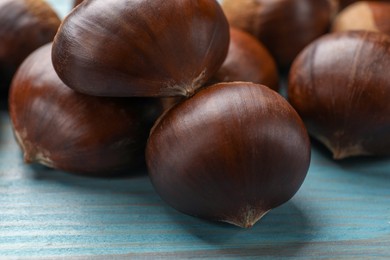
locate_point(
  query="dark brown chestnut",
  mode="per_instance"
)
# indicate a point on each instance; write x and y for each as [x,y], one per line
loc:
[340,86]
[25,25]
[141,48]
[285,27]
[247,60]
[230,153]
[66,130]
[364,15]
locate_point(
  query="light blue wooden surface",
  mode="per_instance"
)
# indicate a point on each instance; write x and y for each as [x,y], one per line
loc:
[341,211]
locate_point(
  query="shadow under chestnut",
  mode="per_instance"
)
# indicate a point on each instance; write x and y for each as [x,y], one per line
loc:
[283,231]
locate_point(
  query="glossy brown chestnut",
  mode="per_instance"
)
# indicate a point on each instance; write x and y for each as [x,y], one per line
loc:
[231,153]
[141,48]
[340,87]
[247,60]
[285,27]
[364,15]
[63,129]
[25,25]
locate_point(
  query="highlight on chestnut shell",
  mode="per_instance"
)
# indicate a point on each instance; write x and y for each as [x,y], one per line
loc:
[230,153]
[62,129]
[247,60]
[340,87]
[141,48]
[25,25]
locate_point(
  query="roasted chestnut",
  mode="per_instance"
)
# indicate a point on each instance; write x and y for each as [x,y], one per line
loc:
[284,26]
[66,130]
[141,48]
[371,16]
[25,25]
[340,86]
[231,152]
[247,60]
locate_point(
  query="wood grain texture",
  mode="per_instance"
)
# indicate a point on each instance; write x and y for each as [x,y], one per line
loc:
[342,211]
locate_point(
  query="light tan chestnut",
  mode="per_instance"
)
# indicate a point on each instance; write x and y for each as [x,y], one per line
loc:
[364,15]
[141,48]
[230,153]
[60,128]
[340,86]
[247,60]
[25,25]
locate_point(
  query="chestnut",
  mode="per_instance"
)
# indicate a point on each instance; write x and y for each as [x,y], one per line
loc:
[285,27]
[141,48]
[230,153]
[60,128]
[364,15]
[25,25]
[247,60]
[340,86]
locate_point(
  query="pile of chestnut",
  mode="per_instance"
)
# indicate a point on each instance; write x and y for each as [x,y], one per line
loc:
[190,88]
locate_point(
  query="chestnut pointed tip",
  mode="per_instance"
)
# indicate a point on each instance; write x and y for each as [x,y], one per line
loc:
[340,152]
[187,90]
[33,155]
[248,218]
[27,158]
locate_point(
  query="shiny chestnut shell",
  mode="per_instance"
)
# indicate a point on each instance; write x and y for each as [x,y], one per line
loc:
[248,60]
[364,15]
[25,25]
[285,27]
[341,88]
[66,130]
[230,153]
[141,48]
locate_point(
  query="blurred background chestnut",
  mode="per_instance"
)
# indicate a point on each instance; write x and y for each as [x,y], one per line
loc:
[25,25]
[340,86]
[285,27]
[364,15]
[60,128]
[247,60]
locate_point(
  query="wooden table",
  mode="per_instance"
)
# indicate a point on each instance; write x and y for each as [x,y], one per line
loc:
[341,211]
